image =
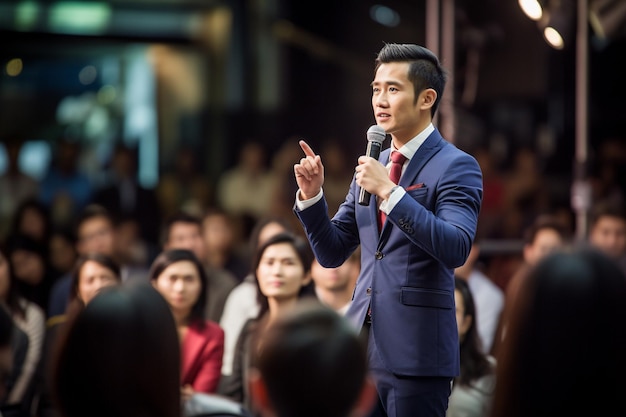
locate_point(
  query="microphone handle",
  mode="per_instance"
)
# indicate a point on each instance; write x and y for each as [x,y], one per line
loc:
[373,150]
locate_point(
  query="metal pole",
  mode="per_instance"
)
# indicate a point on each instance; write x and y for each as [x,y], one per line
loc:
[433,17]
[581,193]
[432,25]
[448,123]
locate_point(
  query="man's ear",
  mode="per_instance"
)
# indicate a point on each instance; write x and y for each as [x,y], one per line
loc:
[258,392]
[367,399]
[427,98]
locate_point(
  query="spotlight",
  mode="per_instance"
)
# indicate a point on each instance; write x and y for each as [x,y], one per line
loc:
[532,8]
[553,37]
[557,24]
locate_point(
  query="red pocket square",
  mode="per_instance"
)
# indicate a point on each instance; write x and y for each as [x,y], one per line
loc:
[415,186]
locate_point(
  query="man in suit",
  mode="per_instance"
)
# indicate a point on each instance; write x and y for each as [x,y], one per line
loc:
[404,297]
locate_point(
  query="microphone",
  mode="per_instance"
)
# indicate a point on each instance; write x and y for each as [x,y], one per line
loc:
[375,137]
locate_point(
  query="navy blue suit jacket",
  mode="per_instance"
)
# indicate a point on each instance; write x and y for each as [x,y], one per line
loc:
[407,270]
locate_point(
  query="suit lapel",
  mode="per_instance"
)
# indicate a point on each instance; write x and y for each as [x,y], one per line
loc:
[429,148]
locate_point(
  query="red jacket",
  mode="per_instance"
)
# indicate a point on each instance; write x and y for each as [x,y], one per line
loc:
[202,352]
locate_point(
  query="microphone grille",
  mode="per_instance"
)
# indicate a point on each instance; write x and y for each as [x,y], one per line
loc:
[376,134]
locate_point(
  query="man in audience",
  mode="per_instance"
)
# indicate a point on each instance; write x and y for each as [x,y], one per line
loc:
[96,232]
[312,364]
[334,286]
[184,231]
[607,231]
[546,235]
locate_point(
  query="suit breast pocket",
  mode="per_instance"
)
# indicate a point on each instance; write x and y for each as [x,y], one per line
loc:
[418,194]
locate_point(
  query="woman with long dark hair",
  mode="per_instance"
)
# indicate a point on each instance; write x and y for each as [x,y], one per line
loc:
[472,390]
[29,318]
[180,278]
[282,270]
[92,273]
[120,357]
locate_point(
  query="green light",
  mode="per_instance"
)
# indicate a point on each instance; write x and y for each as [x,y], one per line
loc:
[26,13]
[79,18]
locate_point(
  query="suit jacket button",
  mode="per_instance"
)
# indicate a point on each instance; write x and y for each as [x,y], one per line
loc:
[368,291]
[379,255]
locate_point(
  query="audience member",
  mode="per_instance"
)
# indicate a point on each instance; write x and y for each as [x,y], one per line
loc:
[246,189]
[311,363]
[607,230]
[334,286]
[19,348]
[120,357]
[184,231]
[64,189]
[242,302]
[525,193]
[34,276]
[180,278]
[95,233]
[30,318]
[284,187]
[221,236]
[337,173]
[488,297]
[32,219]
[6,350]
[92,273]
[282,265]
[492,207]
[62,254]
[15,186]
[546,235]
[124,197]
[131,249]
[563,354]
[472,390]
[607,172]
[184,187]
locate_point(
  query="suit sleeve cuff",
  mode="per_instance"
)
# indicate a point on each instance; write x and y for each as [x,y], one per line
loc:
[396,195]
[305,204]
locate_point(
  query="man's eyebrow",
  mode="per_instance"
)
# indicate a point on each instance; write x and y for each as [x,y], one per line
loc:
[390,82]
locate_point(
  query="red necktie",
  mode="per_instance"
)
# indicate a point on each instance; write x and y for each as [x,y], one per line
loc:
[397,161]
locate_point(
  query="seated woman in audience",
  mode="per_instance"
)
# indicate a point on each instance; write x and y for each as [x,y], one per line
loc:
[92,273]
[120,357]
[472,390]
[563,352]
[31,268]
[29,318]
[282,270]
[180,278]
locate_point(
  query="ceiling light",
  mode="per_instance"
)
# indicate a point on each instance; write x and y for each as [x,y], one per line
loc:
[532,8]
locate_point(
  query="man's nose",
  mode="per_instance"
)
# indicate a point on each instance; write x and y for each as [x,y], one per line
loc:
[380,100]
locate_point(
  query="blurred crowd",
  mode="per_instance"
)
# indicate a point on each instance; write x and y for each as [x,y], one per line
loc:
[201,257]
